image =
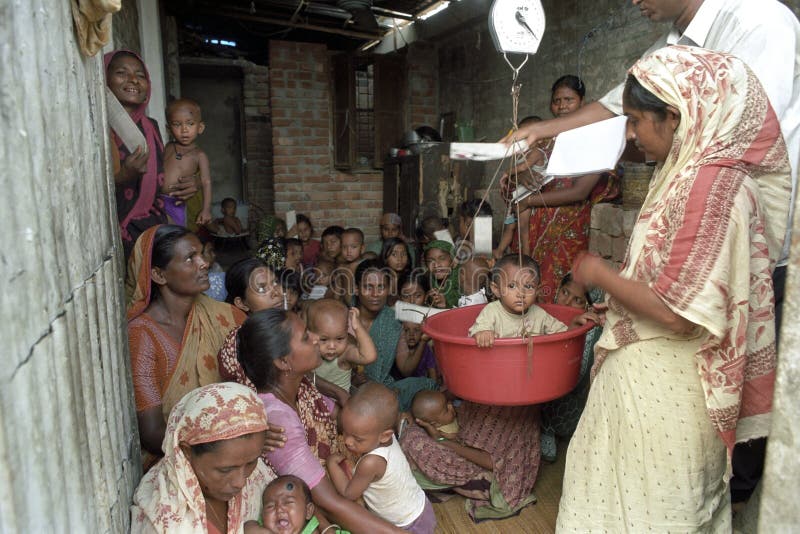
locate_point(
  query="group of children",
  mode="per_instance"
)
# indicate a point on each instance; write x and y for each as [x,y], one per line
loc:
[316,279]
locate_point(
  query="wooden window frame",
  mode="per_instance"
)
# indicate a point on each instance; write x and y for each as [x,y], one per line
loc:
[389,104]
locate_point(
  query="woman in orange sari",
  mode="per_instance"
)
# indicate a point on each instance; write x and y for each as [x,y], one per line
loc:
[174,330]
[685,366]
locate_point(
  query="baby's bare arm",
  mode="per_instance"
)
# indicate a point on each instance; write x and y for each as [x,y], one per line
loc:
[364,351]
[252,527]
[205,179]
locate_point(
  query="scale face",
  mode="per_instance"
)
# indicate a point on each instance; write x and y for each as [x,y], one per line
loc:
[517,26]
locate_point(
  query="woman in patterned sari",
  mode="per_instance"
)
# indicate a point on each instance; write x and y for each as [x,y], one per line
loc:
[276,351]
[558,228]
[252,287]
[218,424]
[174,330]
[685,366]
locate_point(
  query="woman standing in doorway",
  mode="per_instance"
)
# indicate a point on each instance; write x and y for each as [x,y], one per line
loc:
[138,175]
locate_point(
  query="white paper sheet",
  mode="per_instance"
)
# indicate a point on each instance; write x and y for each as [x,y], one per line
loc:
[316,293]
[483,235]
[291,220]
[592,148]
[486,151]
[444,235]
[407,312]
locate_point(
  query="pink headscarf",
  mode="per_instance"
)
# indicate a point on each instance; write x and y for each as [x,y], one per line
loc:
[151,180]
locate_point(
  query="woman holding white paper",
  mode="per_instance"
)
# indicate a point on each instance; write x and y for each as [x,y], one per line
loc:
[558,220]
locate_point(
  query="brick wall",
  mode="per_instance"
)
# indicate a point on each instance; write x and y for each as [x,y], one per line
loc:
[304,178]
[257,140]
[423,85]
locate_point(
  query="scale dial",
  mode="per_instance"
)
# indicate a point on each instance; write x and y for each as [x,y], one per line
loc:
[517,26]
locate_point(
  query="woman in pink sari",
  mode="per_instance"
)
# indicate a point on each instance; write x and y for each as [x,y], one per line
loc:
[685,366]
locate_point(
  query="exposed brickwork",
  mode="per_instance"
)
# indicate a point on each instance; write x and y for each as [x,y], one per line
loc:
[258,140]
[304,178]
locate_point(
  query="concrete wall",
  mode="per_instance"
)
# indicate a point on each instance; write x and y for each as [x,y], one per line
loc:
[422,79]
[779,511]
[126,27]
[475,81]
[69,452]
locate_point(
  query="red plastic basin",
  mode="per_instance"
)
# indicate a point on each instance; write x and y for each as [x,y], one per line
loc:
[502,374]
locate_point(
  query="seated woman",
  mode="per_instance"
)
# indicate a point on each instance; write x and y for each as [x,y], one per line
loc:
[253,286]
[276,351]
[174,330]
[218,424]
[560,416]
[493,462]
[372,291]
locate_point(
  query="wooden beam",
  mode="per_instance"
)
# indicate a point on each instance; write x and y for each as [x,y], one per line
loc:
[245,15]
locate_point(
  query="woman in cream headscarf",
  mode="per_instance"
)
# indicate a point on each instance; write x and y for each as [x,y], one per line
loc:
[686,364]
[216,425]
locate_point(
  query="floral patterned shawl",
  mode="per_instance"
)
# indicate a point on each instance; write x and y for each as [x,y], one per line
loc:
[208,323]
[710,231]
[312,406]
[169,498]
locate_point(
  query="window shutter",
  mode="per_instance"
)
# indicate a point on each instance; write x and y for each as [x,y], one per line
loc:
[344,129]
[389,84]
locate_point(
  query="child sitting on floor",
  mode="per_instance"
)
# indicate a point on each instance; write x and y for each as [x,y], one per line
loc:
[467,211]
[319,278]
[472,279]
[331,243]
[420,353]
[305,231]
[216,276]
[328,319]
[183,157]
[381,474]
[229,223]
[560,416]
[294,254]
[292,286]
[514,282]
[433,408]
[443,271]
[352,245]
[413,288]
